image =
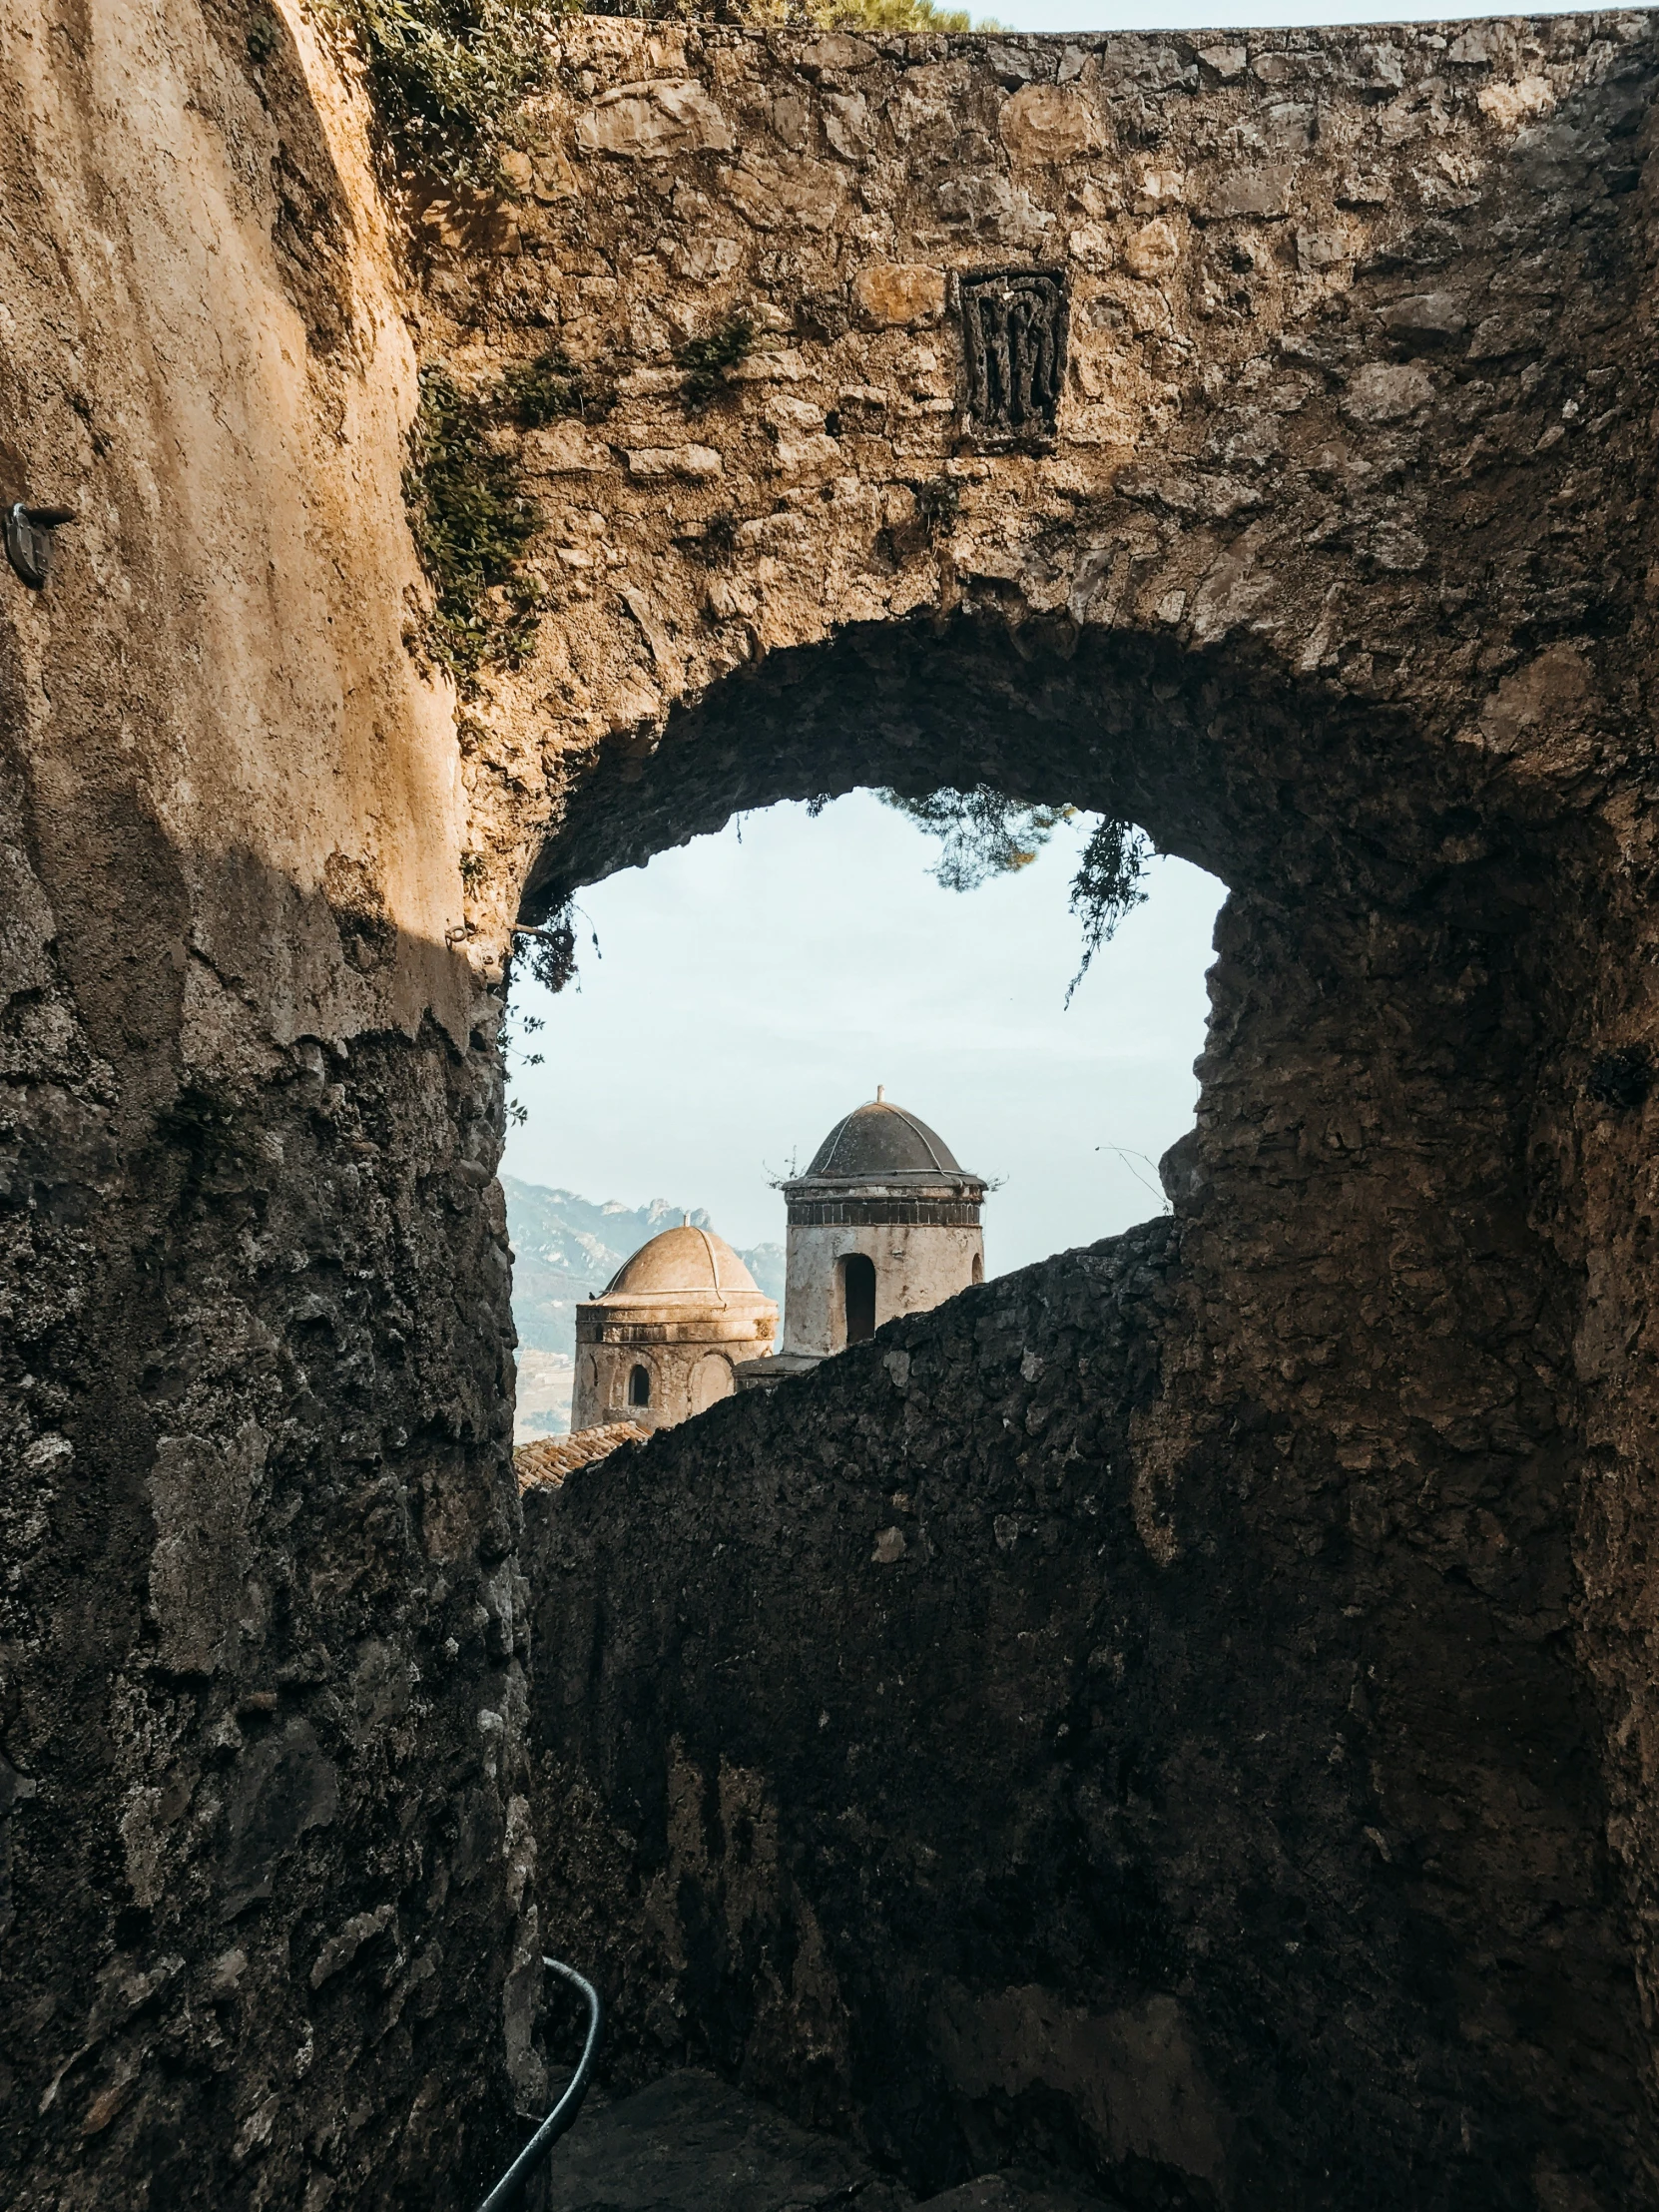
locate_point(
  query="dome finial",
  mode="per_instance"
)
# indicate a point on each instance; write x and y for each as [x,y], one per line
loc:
[881,1092]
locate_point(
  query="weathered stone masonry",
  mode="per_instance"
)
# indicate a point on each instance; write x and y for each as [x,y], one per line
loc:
[1333,571]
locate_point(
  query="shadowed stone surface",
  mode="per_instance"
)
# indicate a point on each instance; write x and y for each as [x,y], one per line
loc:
[690,2144]
[946,1768]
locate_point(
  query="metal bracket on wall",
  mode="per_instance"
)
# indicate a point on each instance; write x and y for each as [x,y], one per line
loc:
[29,539]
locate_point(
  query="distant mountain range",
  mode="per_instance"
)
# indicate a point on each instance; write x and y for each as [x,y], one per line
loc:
[566,1248]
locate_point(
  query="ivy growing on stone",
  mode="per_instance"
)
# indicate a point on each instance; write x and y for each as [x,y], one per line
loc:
[708,362]
[447,77]
[553,387]
[472,522]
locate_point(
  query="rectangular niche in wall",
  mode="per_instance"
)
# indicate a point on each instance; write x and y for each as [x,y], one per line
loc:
[1014,351]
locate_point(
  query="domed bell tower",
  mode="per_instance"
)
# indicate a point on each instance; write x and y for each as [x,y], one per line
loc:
[882,1223]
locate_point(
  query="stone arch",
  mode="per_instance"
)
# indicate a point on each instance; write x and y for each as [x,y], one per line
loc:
[1359,1233]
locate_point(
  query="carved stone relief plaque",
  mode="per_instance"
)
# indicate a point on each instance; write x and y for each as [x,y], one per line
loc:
[1014,353]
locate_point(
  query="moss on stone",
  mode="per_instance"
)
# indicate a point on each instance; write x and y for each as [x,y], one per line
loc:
[552,386]
[709,361]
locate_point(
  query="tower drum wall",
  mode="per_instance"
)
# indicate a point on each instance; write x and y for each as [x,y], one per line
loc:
[924,1247]
[659,1342]
[682,1379]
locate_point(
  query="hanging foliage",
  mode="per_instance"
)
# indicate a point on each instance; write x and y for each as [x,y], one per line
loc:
[552,959]
[1108,885]
[982,834]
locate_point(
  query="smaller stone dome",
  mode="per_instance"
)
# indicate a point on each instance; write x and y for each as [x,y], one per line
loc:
[660,1342]
[882,1139]
[679,1261]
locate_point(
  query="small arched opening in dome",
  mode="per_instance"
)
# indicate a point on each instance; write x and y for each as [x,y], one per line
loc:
[639,1386]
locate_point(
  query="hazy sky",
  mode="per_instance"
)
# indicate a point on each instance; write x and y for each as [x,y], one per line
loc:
[757,984]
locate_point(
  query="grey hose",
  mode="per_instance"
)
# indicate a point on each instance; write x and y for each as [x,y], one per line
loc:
[564,2112]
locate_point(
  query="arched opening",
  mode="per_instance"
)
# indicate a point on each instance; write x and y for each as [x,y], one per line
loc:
[779,1008]
[710,1382]
[857,1274]
[639,1386]
[978,1269]
[818,727]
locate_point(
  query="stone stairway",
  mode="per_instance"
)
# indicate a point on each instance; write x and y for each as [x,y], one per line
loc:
[687,2144]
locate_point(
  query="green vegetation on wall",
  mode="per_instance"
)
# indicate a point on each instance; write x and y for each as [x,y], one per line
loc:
[471,523]
[706,362]
[471,515]
[898,15]
[552,386]
[448,77]
[822,15]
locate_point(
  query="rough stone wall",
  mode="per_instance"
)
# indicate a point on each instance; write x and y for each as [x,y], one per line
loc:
[1336,575]
[1343,304]
[260,1863]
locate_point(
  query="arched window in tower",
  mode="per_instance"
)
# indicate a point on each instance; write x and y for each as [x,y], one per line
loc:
[858,1297]
[639,1386]
[978,1269]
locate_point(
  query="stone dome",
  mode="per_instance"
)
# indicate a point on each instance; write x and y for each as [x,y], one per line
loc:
[882,1139]
[681,1261]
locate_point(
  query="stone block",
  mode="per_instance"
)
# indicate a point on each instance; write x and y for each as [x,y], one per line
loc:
[1261,194]
[566,449]
[1388,392]
[689,460]
[900,292]
[1050,123]
[653,122]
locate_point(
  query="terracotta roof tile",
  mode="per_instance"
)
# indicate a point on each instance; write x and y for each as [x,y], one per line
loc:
[547,1462]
